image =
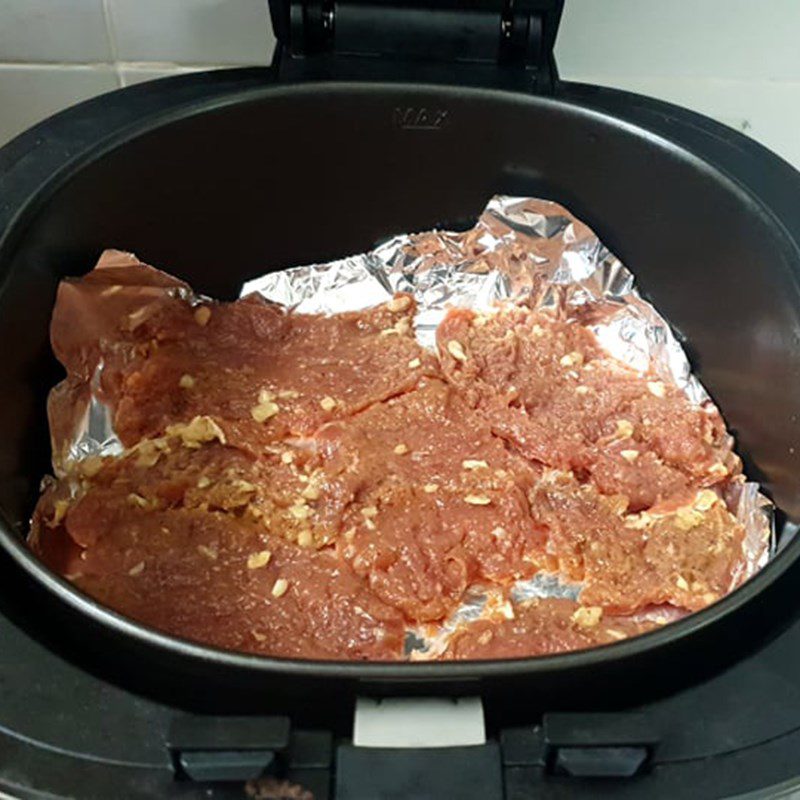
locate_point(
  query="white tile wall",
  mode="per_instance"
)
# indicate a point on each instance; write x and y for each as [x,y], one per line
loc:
[28,93]
[192,31]
[735,60]
[130,74]
[53,30]
[734,39]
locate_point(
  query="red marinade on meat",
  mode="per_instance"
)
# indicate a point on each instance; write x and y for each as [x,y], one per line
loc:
[316,486]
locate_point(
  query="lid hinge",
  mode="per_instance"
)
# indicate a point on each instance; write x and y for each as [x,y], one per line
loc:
[511,40]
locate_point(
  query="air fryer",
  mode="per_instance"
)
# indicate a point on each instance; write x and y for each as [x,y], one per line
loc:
[373,121]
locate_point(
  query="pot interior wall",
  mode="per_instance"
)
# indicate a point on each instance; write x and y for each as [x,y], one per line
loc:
[295,176]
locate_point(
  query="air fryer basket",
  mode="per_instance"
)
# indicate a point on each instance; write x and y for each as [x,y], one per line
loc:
[218,178]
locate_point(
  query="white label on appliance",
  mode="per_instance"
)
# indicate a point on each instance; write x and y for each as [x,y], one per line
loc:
[418,722]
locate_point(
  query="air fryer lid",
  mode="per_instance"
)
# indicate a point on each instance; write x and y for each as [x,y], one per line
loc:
[215,170]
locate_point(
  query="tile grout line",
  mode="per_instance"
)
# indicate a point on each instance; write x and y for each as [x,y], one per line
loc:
[111,37]
[162,65]
[185,66]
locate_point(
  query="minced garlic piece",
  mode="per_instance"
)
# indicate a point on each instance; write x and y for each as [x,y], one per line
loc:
[718,470]
[705,499]
[430,488]
[414,363]
[624,428]
[264,411]
[202,315]
[279,588]
[656,388]
[258,560]
[208,552]
[401,449]
[60,509]
[402,326]
[137,500]
[287,457]
[136,318]
[681,583]
[327,403]
[200,429]
[456,350]
[477,500]
[587,616]
[310,492]
[506,610]
[687,518]
[203,482]
[630,455]
[473,463]
[571,359]
[369,512]
[136,570]
[400,303]
[300,511]
[305,539]
[148,454]
[581,390]
[186,382]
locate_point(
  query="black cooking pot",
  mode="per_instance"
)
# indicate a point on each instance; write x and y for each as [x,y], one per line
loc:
[221,176]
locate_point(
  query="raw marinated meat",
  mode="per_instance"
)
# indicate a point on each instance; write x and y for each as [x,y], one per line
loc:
[317,487]
[263,374]
[685,552]
[191,558]
[438,502]
[549,390]
[542,627]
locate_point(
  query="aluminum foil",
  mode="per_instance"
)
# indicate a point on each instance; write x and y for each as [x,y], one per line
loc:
[520,249]
[97,435]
